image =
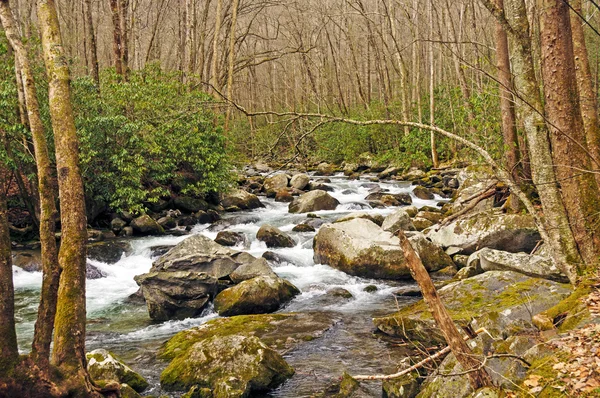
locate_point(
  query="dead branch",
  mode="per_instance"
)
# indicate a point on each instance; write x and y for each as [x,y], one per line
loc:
[469,207]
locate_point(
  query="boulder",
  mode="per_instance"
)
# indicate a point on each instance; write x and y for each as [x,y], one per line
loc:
[263,294]
[116,225]
[303,228]
[29,260]
[376,218]
[145,225]
[406,386]
[300,181]
[313,201]
[324,169]
[360,247]
[230,238]
[176,294]
[104,365]
[398,199]
[108,252]
[531,265]
[473,181]
[273,237]
[317,186]
[258,267]
[421,224]
[492,229]
[423,193]
[92,272]
[432,255]
[501,301]
[389,172]
[433,216]
[241,199]
[167,222]
[231,366]
[398,220]
[276,182]
[189,204]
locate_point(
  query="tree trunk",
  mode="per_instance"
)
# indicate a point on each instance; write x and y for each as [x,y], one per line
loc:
[587,94]
[571,157]
[69,337]
[434,152]
[234,13]
[92,43]
[507,110]
[123,16]
[478,376]
[214,74]
[47,309]
[116,19]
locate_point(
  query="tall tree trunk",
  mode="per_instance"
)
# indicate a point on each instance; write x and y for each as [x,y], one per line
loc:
[214,73]
[234,13]
[434,152]
[69,337]
[478,376]
[124,16]
[562,241]
[507,110]
[117,44]
[569,151]
[92,43]
[47,309]
[9,353]
[587,94]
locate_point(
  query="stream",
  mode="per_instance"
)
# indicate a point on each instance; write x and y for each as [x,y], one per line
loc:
[125,328]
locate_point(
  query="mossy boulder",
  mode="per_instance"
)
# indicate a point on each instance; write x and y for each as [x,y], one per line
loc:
[492,229]
[104,365]
[241,199]
[502,301]
[274,237]
[258,295]
[313,201]
[360,247]
[423,193]
[231,366]
[324,169]
[146,225]
[406,386]
[189,204]
[346,387]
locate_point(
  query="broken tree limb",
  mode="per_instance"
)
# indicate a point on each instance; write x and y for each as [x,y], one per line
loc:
[416,366]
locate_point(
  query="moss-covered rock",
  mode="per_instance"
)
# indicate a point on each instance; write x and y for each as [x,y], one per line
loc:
[146,225]
[231,366]
[104,365]
[346,387]
[258,295]
[503,302]
[406,386]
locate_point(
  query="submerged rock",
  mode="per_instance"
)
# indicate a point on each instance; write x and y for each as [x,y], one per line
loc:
[313,201]
[231,366]
[258,295]
[495,230]
[240,199]
[359,247]
[273,237]
[104,365]
[503,302]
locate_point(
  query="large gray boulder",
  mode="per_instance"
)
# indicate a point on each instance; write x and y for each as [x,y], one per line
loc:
[300,181]
[492,229]
[360,247]
[276,182]
[260,295]
[230,366]
[273,237]
[178,294]
[258,267]
[473,181]
[241,199]
[398,220]
[432,255]
[313,201]
[531,265]
[501,301]
[376,218]
[145,225]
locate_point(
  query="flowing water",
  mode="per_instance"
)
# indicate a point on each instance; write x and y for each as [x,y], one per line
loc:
[124,327]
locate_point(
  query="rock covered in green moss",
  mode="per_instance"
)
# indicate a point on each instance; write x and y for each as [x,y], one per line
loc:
[346,387]
[231,366]
[492,229]
[501,301]
[128,392]
[258,295]
[104,365]
[146,225]
[406,386]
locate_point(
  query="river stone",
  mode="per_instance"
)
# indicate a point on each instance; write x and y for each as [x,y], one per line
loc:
[189,204]
[230,238]
[324,169]
[501,301]
[299,181]
[397,199]
[406,386]
[434,217]
[313,201]
[263,294]
[92,272]
[240,199]
[414,174]
[273,237]
[258,267]
[346,387]
[167,222]
[145,225]
[108,252]
[534,266]
[176,295]
[474,181]
[303,227]
[28,260]
[316,186]
[432,256]
[423,193]
[200,254]
[398,220]
[104,365]
[360,247]
[116,225]
[231,366]
[389,172]
[284,196]
[376,218]
[495,230]
[276,182]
